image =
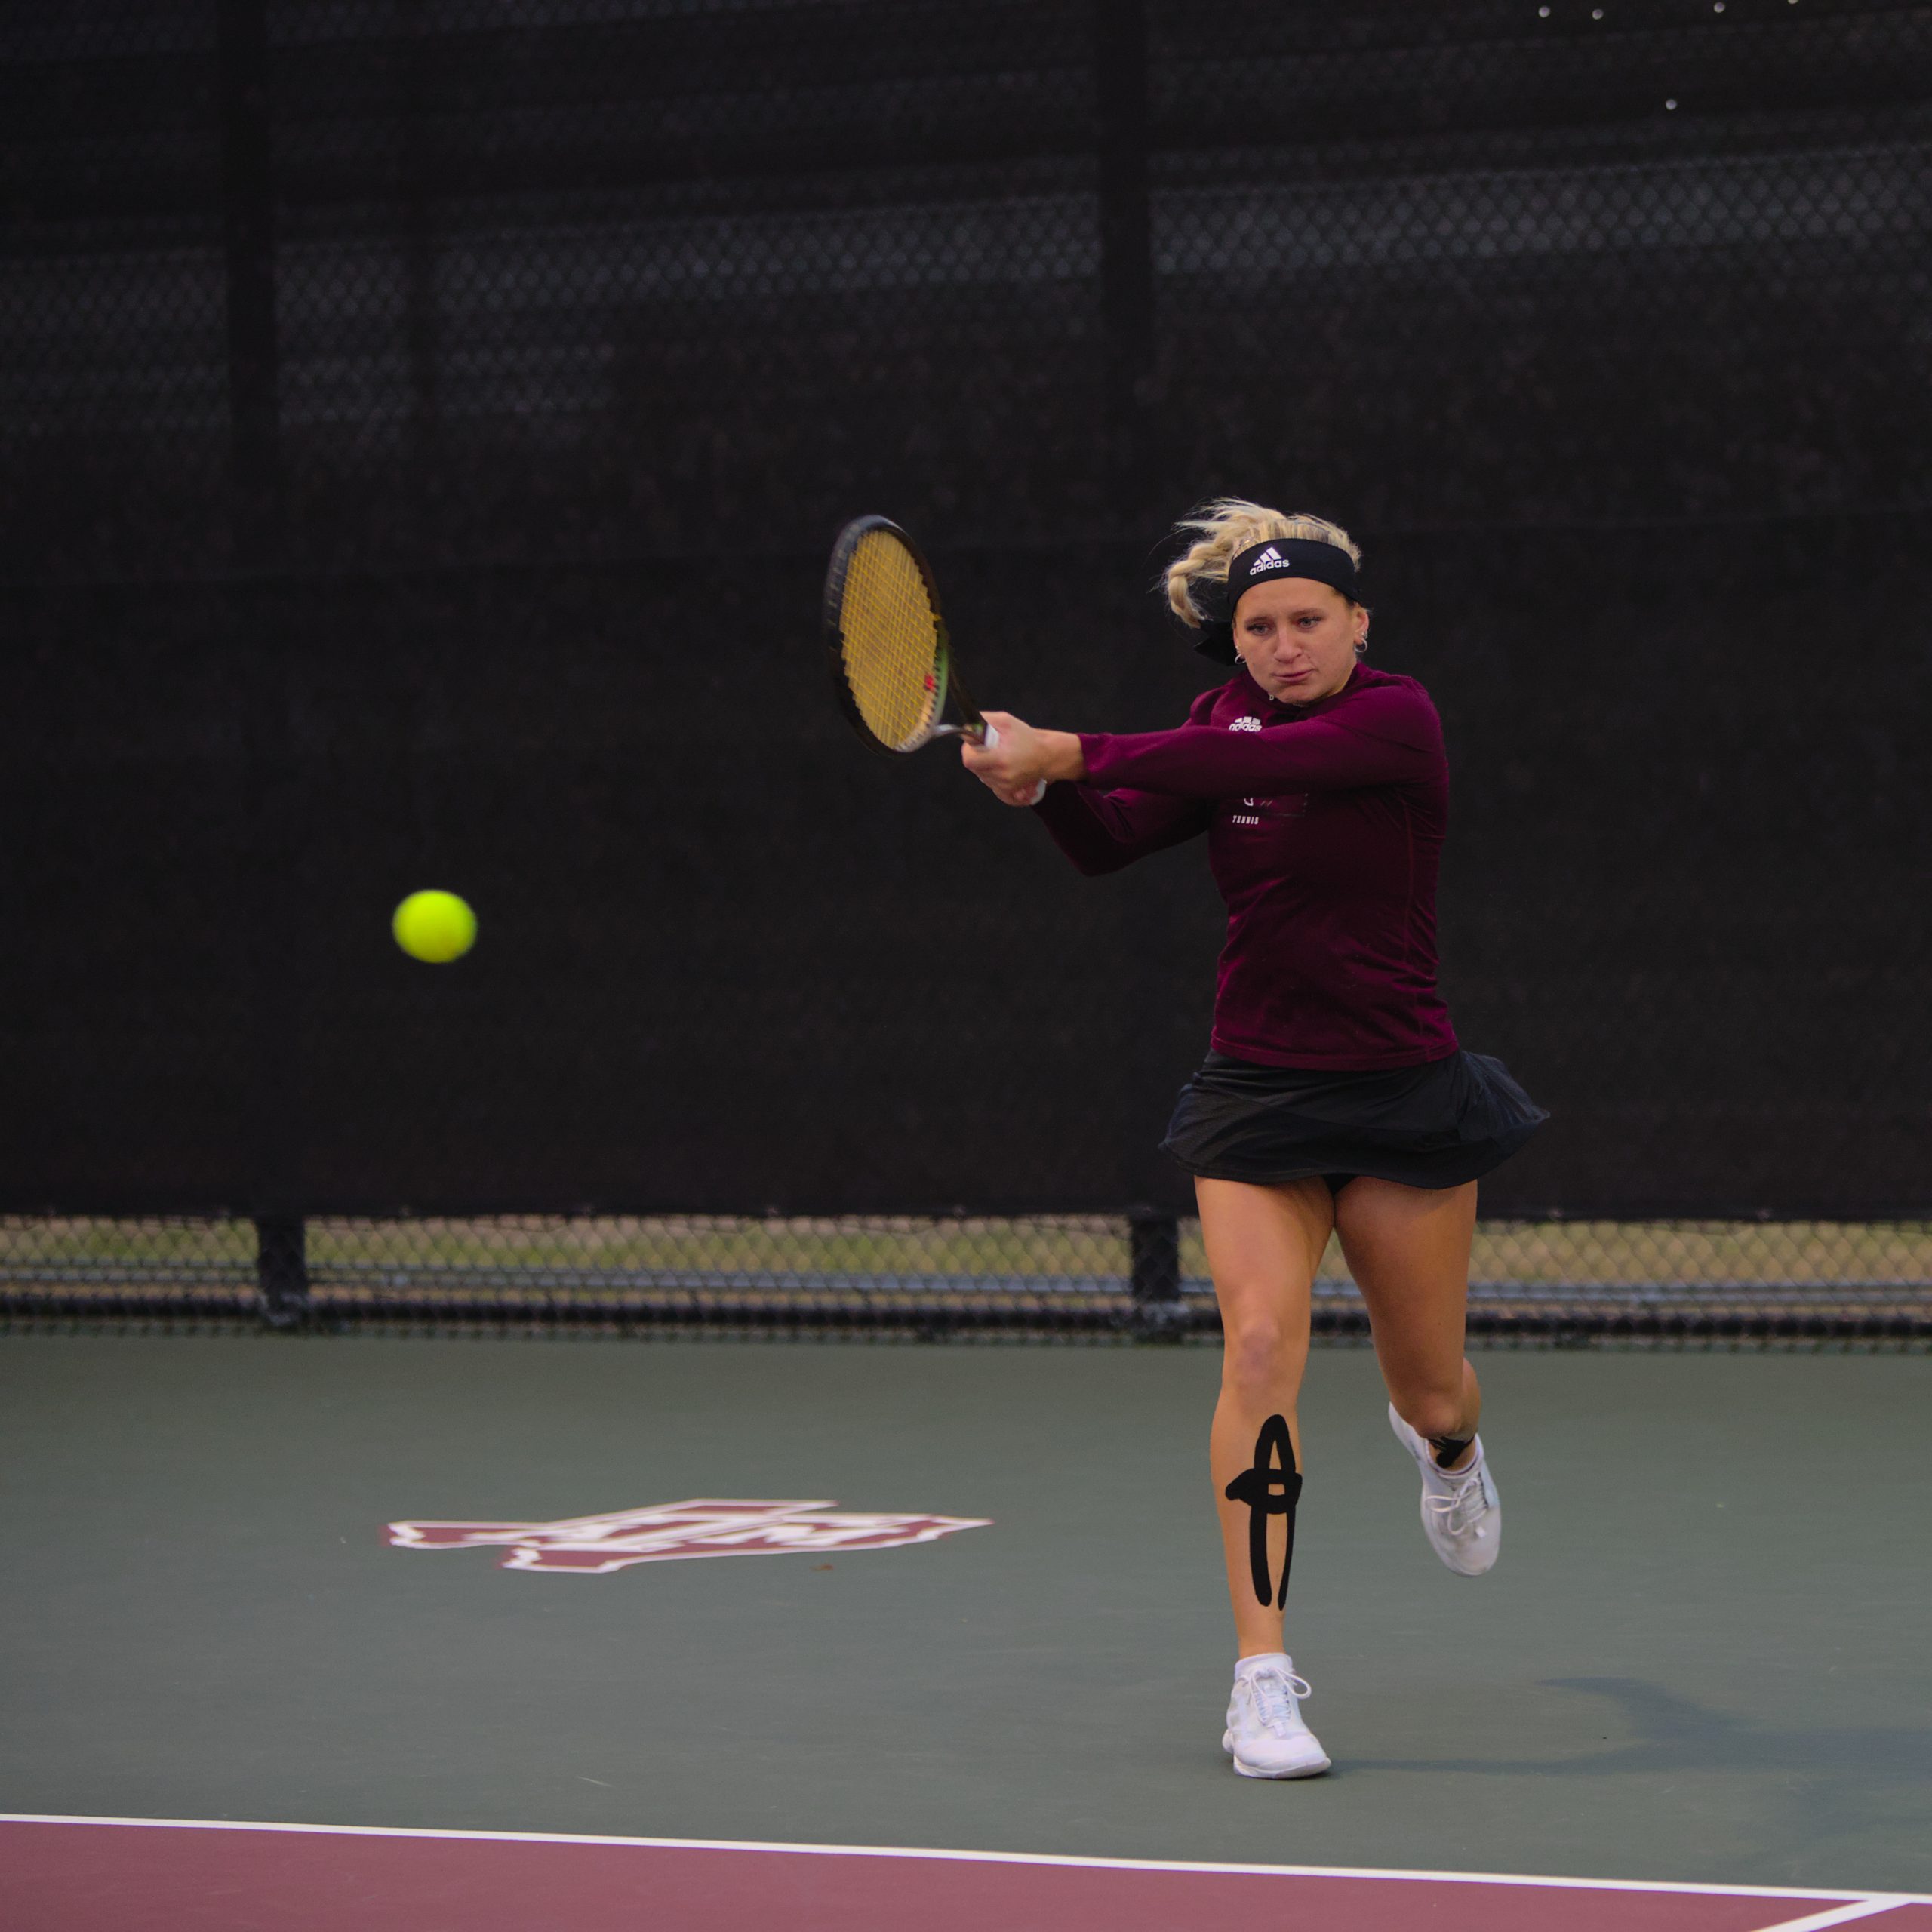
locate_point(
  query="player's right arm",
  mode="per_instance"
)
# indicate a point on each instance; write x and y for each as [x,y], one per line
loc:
[1100,832]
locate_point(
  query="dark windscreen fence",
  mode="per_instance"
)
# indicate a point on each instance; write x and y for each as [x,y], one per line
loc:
[425,425]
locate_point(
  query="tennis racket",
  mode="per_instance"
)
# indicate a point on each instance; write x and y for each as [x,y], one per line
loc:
[891,660]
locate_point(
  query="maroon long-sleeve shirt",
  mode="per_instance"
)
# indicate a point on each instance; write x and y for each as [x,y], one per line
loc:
[1324,826]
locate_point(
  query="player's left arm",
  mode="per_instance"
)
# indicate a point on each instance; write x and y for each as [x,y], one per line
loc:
[1040,758]
[1390,736]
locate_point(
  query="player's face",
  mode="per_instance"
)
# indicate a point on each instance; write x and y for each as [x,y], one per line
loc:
[1297,638]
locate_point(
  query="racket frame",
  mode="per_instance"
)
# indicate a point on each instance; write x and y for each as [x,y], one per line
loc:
[945,675]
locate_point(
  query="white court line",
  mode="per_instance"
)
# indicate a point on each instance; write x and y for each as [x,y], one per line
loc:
[1853,1904]
[1843,1915]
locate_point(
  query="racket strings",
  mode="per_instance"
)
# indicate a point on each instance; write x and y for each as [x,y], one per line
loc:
[889,635]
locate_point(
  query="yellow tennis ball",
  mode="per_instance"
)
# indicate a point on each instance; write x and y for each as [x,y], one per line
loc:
[435,926]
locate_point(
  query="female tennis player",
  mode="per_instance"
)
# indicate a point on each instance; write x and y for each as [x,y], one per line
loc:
[1334,1097]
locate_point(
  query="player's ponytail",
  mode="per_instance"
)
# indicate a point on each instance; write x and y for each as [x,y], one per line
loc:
[1226,527]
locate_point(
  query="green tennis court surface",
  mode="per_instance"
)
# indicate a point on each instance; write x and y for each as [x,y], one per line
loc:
[1703,1660]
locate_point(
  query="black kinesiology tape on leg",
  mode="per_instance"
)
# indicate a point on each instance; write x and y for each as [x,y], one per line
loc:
[1448,1447]
[1271,1487]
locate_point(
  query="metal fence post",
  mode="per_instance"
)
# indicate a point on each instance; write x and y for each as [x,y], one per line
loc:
[271,791]
[248,211]
[281,1269]
[1127,269]
[1153,1241]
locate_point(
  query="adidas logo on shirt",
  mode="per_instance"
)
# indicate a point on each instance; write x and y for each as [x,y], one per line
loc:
[1244,724]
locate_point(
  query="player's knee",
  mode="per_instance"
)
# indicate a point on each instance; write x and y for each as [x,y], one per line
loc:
[1256,1353]
[1438,1414]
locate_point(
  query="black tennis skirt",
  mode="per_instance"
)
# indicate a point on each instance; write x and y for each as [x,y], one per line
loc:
[1437,1125]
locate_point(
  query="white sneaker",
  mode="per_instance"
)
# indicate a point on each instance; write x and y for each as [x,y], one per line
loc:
[1459,1512]
[1265,1736]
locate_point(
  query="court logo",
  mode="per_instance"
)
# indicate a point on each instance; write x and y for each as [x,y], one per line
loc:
[677,1532]
[1244,724]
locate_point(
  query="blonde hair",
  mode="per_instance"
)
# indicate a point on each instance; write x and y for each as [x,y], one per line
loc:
[1226,526]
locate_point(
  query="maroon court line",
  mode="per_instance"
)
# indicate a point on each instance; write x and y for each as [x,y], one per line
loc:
[108,1877]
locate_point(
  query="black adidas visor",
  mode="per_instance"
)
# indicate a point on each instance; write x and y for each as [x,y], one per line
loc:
[1279,556]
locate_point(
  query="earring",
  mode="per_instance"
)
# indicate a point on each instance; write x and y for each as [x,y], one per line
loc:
[1361,647]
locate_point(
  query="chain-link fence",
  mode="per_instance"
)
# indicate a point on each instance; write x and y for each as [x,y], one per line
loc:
[423,424]
[1138,1277]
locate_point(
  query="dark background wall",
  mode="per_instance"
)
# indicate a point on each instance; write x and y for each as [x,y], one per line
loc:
[424,424]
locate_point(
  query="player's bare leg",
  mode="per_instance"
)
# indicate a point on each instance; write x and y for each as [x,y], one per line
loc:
[1408,1249]
[1264,1245]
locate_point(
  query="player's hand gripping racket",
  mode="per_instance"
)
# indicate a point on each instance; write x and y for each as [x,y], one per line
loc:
[891,660]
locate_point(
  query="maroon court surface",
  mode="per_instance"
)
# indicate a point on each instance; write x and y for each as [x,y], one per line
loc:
[110,1875]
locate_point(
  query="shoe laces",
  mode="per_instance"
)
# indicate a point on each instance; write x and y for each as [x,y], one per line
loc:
[1274,1692]
[1461,1501]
